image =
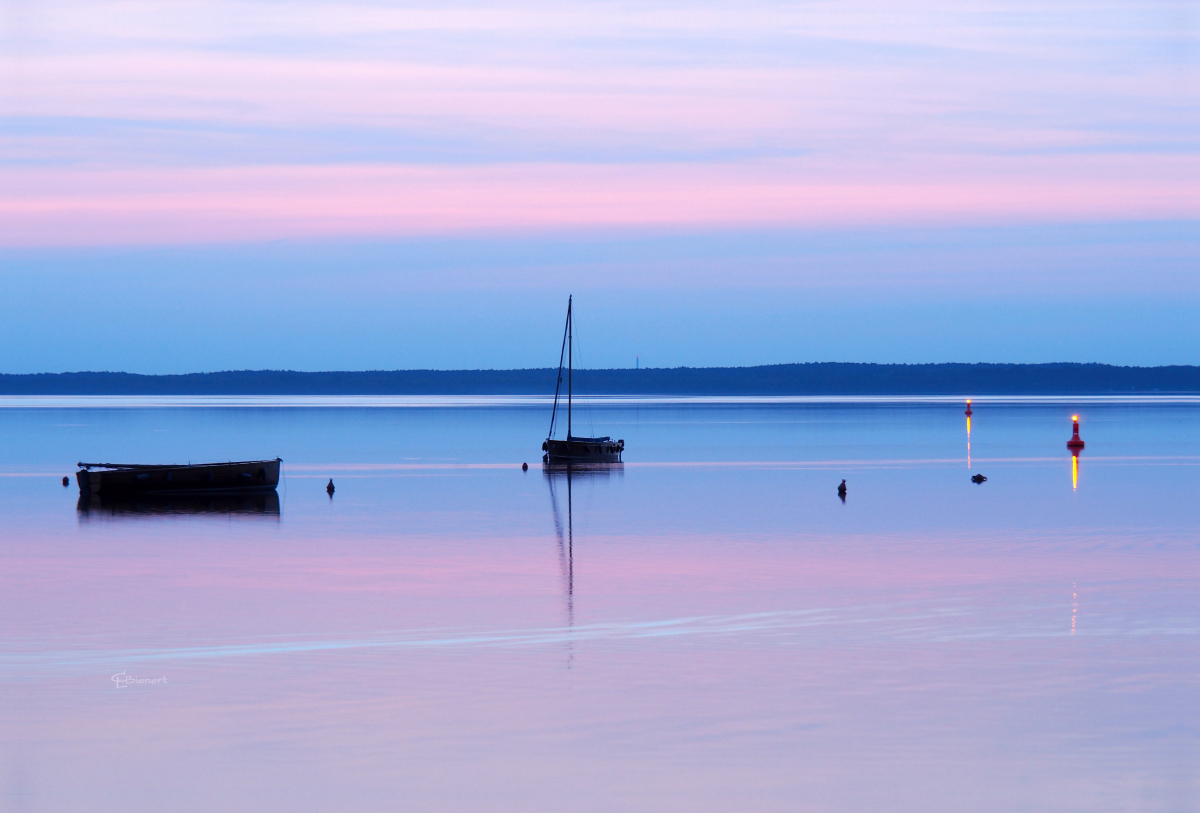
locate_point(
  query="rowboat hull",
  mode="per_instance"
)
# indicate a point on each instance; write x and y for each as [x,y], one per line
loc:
[208,478]
[234,503]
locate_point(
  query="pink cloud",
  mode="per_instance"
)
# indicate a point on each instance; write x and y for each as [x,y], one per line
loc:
[169,205]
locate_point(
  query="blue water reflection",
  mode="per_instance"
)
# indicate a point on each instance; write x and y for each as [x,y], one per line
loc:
[705,627]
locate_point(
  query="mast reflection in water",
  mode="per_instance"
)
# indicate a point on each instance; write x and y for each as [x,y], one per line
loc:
[563,474]
[262,505]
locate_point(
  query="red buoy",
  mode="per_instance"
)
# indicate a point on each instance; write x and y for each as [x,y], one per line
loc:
[968,413]
[1075,444]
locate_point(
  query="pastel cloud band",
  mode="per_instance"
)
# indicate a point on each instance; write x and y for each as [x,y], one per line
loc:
[171,205]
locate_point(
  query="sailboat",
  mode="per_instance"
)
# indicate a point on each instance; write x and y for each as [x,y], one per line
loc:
[575,449]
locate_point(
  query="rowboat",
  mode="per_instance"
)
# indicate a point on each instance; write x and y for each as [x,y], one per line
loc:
[200,478]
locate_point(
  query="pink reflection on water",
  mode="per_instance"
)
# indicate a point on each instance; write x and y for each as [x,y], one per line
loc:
[381,656]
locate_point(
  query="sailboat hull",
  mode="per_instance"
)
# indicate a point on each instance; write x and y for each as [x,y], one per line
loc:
[590,450]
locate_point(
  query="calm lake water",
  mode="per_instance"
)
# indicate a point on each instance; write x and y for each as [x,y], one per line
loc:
[704,628]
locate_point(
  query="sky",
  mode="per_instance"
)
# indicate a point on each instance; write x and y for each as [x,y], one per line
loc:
[209,185]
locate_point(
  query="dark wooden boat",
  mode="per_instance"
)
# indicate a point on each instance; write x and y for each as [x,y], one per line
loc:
[575,449]
[109,479]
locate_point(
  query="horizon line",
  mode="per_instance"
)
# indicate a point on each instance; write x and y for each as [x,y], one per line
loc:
[263,370]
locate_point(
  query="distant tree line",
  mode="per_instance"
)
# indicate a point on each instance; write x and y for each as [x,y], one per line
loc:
[776,379]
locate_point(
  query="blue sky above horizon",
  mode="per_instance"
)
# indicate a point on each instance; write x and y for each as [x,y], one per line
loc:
[210,185]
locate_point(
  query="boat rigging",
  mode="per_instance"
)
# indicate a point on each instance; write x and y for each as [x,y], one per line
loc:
[575,449]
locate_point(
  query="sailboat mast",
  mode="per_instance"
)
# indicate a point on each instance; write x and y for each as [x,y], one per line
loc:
[570,359]
[558,382]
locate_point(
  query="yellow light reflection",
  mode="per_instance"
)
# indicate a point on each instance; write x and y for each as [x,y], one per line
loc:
[1074,472]
[1074,606]
[968,414]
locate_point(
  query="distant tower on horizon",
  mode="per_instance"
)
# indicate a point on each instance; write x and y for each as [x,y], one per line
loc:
[637,363]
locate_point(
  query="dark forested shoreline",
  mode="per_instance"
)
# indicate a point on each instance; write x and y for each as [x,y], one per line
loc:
[778,379]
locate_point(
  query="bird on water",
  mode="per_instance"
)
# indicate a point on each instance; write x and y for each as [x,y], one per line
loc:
[329,489]
[842,491]
[978,478]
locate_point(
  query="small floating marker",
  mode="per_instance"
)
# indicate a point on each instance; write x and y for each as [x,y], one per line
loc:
[978,478]
[66,482]
[968,413]
[329,489]
[524,467]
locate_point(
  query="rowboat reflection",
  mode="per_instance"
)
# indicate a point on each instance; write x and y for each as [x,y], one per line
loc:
[260,504]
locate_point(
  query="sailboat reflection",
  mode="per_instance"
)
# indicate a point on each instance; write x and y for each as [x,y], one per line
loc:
[263,504]
[560,473]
